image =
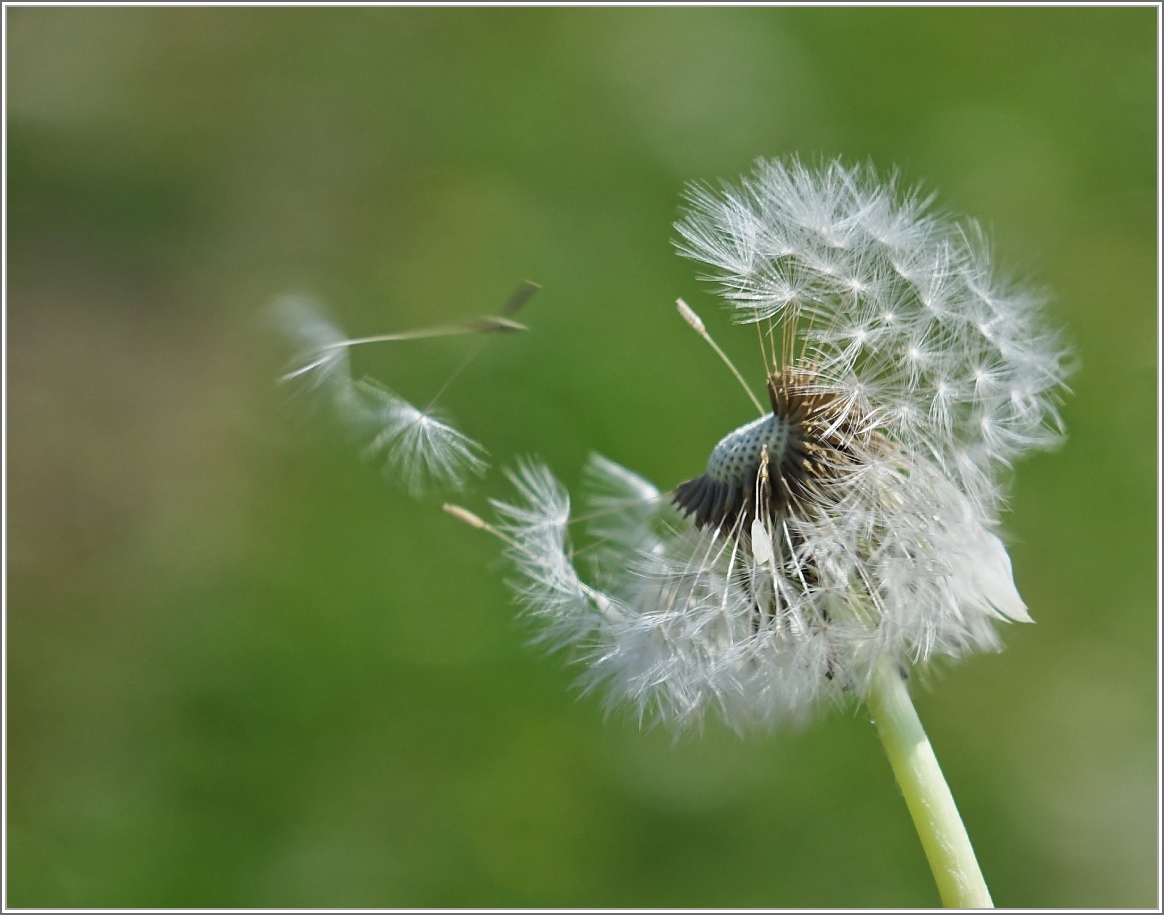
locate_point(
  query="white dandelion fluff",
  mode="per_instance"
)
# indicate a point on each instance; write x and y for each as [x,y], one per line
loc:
[421,448]
[891,303]
[856,520]
[320,363]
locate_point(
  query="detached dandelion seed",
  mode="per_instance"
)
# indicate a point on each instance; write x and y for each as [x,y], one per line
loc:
[850,533]
[421,448]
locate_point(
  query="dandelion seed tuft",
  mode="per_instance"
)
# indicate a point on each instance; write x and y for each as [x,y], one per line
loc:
[422,450]
[320,363]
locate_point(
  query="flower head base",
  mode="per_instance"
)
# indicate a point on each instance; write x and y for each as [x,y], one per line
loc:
[792,457]
[853,522]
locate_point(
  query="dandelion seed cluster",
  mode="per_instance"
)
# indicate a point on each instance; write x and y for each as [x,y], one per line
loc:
[855,521]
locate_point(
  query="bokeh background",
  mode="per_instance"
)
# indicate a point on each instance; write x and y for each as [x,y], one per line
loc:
[244,670]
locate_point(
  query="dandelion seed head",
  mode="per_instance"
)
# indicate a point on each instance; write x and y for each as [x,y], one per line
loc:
[858,518]
[935,276]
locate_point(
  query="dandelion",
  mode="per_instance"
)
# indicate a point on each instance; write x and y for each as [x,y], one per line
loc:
[847,535]
[421,448]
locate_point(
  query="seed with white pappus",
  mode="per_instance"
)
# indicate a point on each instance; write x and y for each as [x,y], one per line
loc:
[421,448]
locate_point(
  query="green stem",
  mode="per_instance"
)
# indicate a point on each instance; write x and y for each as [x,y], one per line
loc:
[926,793]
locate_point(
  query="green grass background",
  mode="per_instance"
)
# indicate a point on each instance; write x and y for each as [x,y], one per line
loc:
[243,670]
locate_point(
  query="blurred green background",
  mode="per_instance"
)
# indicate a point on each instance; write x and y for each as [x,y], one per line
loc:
[243,670]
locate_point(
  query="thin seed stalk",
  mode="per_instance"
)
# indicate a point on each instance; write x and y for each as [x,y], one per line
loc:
[935,816]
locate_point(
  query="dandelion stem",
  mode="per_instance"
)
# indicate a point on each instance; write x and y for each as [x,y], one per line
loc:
[935,816]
